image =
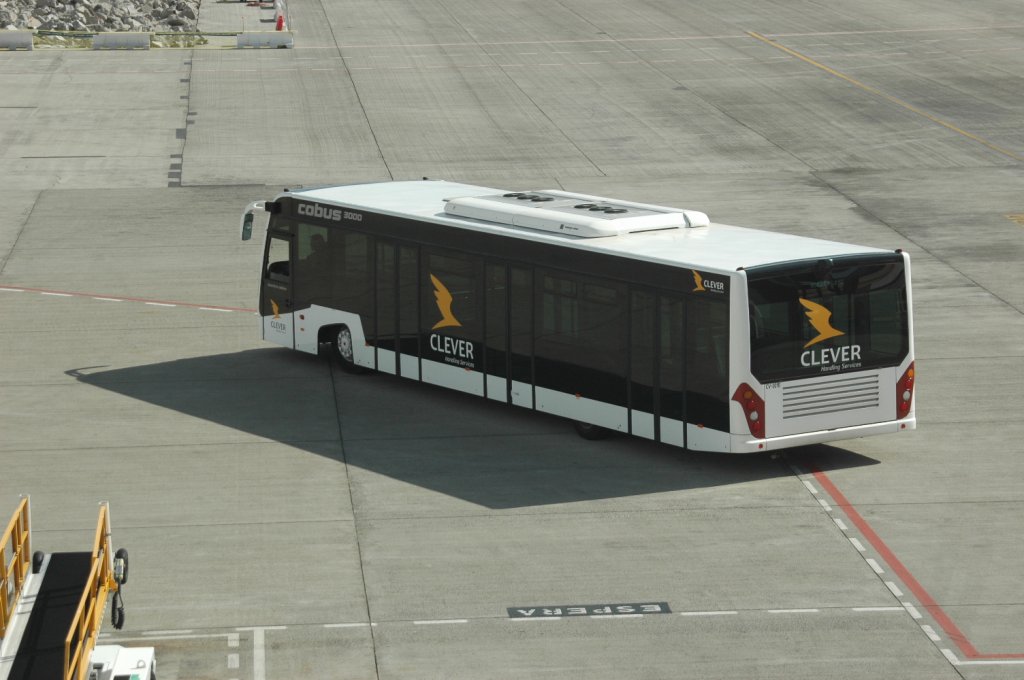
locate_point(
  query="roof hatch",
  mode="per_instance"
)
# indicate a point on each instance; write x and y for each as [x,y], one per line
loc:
[572,214]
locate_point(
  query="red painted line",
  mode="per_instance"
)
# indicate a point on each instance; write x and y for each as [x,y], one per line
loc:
[922,595]
[46,291]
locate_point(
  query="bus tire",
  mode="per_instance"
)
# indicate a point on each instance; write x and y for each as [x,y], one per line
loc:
[344,349]
[591,431]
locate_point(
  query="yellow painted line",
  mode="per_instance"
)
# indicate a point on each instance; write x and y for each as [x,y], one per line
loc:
[1016,217]
[887,97]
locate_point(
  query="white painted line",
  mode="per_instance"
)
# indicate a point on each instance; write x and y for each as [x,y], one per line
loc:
[951,657]
[810,487]
[874,565]
[13,290]
[912,610]
[617,616]
[893,587]
[346,625]
[233,639]
[828,508]
[214,309]
[839,523]
[197,636]
[439,622]
[232,661]
[721,613]
[878,609]
[56,294]
[857,544]
[539,618]
[259,650]
[106,299]
[161,633]
[160,304]
[930,632]
[793,611]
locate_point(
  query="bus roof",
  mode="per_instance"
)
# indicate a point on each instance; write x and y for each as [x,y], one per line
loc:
[660,234]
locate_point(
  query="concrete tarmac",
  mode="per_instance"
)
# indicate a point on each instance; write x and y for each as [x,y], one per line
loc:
[286,520]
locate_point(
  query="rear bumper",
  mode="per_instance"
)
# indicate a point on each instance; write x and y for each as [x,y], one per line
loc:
[744,444]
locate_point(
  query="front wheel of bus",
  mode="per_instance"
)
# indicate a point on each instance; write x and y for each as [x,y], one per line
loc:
[345,350]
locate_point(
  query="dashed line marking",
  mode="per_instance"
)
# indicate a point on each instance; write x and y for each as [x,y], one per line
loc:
[930,632]
[541,618]
[857,544]
[839,523]
[108,298]
[793,611]
[912,610]
[874,565]
[878,609]
[810,487]
[167,632]
[438,622]
[894,588]
[349,625]
[824,504]
[719,613]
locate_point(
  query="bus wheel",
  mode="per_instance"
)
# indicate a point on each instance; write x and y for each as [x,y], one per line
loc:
[591,431]
[345,351]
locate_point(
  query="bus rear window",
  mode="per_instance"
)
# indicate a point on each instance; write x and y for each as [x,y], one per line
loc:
[820,318]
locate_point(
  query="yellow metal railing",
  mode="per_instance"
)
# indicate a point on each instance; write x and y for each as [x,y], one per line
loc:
[16,542]
[85,626]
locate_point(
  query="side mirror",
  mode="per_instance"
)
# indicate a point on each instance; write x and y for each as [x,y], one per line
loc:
[247,220]
[248,217]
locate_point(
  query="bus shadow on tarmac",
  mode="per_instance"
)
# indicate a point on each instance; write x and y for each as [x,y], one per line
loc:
[481,451]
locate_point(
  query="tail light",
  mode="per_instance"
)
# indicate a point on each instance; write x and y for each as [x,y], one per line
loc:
[905,392]
[753,408]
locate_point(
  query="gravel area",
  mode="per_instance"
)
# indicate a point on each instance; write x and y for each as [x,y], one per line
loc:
[100,15]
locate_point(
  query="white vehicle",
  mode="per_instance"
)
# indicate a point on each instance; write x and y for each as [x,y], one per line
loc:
[621,316]
[51,609]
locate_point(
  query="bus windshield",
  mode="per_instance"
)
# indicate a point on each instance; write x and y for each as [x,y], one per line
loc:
[826,317]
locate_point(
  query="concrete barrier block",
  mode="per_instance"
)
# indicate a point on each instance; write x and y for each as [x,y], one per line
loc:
[15,40]
[121,41]
[266,39]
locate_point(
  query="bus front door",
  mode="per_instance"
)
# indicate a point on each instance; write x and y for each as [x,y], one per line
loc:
[276,295]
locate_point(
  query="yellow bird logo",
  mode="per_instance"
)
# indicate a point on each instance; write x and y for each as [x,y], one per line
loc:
[699,280]
[444,305]
[819,317]
[277,310]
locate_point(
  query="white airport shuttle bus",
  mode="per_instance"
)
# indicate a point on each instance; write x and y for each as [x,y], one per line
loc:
[620,316]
